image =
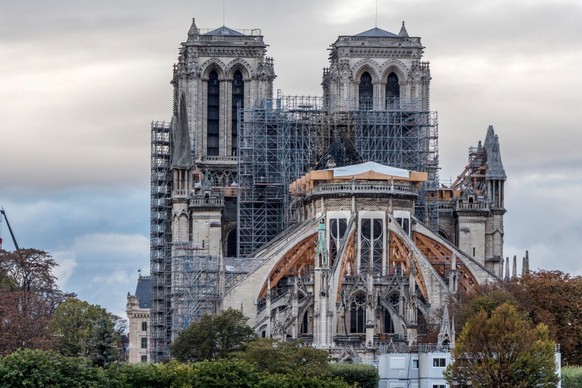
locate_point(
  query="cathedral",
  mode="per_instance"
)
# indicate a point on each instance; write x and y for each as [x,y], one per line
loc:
[320,218]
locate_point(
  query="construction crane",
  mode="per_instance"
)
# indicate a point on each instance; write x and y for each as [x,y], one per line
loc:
[3,213]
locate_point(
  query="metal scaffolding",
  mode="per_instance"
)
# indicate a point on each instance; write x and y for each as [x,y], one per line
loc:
[279,141]
[282,139]
[160,239]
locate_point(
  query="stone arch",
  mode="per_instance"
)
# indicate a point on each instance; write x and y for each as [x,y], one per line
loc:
[397,68]
[363,66]
[443,234]
[238,64]
[357,312]
[213,64]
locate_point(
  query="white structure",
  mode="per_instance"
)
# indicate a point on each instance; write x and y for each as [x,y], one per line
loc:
[414,370]
[138,316]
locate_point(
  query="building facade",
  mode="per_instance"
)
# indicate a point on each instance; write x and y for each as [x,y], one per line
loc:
[138,318]
[319,218]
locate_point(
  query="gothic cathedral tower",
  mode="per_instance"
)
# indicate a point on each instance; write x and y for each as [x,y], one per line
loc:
[375,70]
[218,71]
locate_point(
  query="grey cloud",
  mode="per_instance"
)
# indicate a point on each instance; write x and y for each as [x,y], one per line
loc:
[83,81]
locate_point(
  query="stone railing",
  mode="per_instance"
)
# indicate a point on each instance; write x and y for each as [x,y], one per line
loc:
[472,206]
[364,188]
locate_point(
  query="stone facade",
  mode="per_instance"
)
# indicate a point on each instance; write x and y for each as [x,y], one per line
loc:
[138,316]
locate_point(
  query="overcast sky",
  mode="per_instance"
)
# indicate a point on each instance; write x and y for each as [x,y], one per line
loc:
[80,82]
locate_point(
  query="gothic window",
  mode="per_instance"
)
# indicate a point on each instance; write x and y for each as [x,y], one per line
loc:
[388,323]
[392,91]
[231,244]
[366,91]
[371,249]
[306,322]
[212,129]
[395,300]
[404,223]
[144,343]
[358,313]
[337,229]
[238,93]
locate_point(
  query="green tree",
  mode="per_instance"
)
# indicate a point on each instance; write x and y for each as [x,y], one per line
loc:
[274,356]
[37,368]
[224,373]
[86,330]
[502,349]
[213,337]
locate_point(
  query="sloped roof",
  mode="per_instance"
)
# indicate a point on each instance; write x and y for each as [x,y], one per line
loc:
[495,170]
[377,32]
[143,290]
[362,168]
[224,31]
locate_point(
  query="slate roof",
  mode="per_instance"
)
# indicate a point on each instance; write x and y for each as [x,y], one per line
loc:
[224,31]
[377,32]
[143,292]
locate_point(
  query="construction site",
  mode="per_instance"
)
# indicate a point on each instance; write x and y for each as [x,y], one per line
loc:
[279,141]
[225,230]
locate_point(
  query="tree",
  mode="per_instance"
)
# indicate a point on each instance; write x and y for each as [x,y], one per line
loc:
[550,297]
[28,297]
[213,337]
[86,330]
[555,299]
[274,356]
[37,368]
[503,349]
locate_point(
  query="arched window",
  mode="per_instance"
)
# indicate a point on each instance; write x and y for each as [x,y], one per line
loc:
[231,244]
[212,128]
[392,91]
[238,94]
[337,229]
[388,323]
[366,91]
[371,248]
[305,324]
[358,313]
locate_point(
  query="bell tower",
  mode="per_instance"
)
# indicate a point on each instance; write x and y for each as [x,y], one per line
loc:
[219,71]
[377,70]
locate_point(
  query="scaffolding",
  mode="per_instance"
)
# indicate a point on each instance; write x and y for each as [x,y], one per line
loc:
[199,281]
[195,285]
[282,139]
[160,240]
[276,147]
[279,141]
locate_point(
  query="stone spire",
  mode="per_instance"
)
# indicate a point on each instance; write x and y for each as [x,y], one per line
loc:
[525,264]
[193,31]
[514,274]
[495,170]
[507,268]
[446,332]
[403,33]
[182,156]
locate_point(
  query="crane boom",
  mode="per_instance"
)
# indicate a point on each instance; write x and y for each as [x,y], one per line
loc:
[10,229]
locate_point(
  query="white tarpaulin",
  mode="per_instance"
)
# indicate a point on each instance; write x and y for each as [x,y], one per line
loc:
[362,168]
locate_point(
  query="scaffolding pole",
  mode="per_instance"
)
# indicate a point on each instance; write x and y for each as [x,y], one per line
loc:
[282,139]
[160,240]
